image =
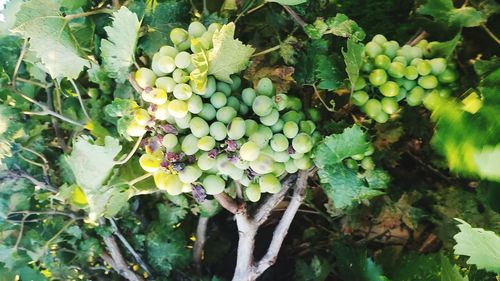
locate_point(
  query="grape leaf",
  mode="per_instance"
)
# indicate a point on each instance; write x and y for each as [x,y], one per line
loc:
[118,49]
[340,25]
[50,38]
[288,2]
[444,11]
[445,49]
[9,13]
[228,55]
[482,246]
[120,107]
[326,72]
[353,60]
[354,264]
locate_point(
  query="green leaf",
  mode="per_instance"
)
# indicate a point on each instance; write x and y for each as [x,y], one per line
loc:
[353,60]
[336,148]
[445,49]
[482,246]
[200,61]
[306,67]
[120,107]
[288,2]
[72,4]
[485,67]
[326,72]
[340,25]
[9,13]
[353,264]
[50,38]
[228,55]
[118,50]
[444,11]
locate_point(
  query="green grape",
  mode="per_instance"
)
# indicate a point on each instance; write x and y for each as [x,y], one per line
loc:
[429,50]
[243,110]
[406,52]
[378,77]
[253,192]
[167,84]
[415,96]
[307,127]
[261,137]
[358,157]
[161,112]
[428,82]
[248,96]
[389,105]
[218,130]
[206,143]
[369,151]
[213,184]
[290,166]
[294,103]
[367,66]
[408,84]
[208,112]
[448,76]
[165,64]
[267,150]
[224,166]
[302,143]
[206,40]
[211,87]
[416,52]
[206,163]
[278,126]
[281,156]
[189,144]
[251,127]
[379,39]
[195,104]
[168,51]
[432,100]
[213,27]
[292,115]
[199,127]
[177,108]
[422,44]
[290,129]
[367,163]
[249,151]
[396,69]
[359,98]
[236,83]
[226,114]
[373,49]
[236,129]
[389,89]
[303,163]
[262,105]
[265,87]
[218,100]
[401,60]
[269,183]
[381,117]
[190,174]
[351,164]
[150,163]
[411,72]
[278,169]
[416,61]
[169,141]
[183,60]
[196,29]
[233,102]
[382,61]
[178,35]
[169,182]
[183,45]
[444,92]
[280,101]
[187,188]
[141,116]
[145,77]
[183,123]
[180,76]
[271,118]
[157,96]
[224,88]
[372,107]
[314,114]
[438,65]
[424,67]
[279,143]
[390,48]
[182,91]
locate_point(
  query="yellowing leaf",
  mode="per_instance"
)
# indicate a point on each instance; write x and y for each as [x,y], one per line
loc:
[78,197]
[200,61]
[228,55]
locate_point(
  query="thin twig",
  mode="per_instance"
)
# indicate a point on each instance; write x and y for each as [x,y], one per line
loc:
[131,153]
[271,202]
[55,122]
[316,93]
[19,61]
[272,49]
[250,11]
[419,37]
[129,247]
[490,33]
[48,213]
[78,94]
[134,84]
[294,16]
[22,174]
[20,235]
[35,83]
[89,13]
[201,235]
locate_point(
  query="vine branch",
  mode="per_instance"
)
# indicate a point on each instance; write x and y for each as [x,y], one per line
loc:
[201,235]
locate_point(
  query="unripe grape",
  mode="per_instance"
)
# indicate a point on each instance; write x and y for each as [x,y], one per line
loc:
[429,50]
[206,163]
[253,192]
[190,174]
[168,51]
[367,66]
[236,82]
[411,72]
[183,60]
[150,162]
[359,98]
[195,104]
[389,89]
[396,69]
[145,77]
[167,84]
[302,143]
[196,29]
[407,84]
[177,108]
[415,96]
[218,100]
[379,39]
[265,87]
[236,129]
[292,115]
[314,114]
[269,183]
[438,65]
[307,127]
[213,184]
[432,100]
[169,141]
[244,109]
[206,40]
[169,182]
[290,129]
[262,105]
[199,127]
[183,123]
[390,48]
[416,61]
[218,130]
[271,118]
[281,101]
[156,96]
[262,136]
[166,64]
[422,44]
[281,156]
[279,143]
[372,107]
[290,166]
[178,35]
[141,116]
[263,164]
[208,112]
[401,60]
[389,105]
[161,112]
[251,127]
[294,103]
[248,95]
[367,163]
[226,114]
[211,87]
[182,91]
[189,144]
[428,82]
[448,76]
[424,67]
[249,151]
[303,163]
[213,27]
[233,102]
[373,49]
[224,88]
[278,126]
[381,117]
[406,52]
[377,77]
[382,61]
[416,52]
[444,92]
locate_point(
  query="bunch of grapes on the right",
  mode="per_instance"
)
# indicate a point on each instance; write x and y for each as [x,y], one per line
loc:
[391,74]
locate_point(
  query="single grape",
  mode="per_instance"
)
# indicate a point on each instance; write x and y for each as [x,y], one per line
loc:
[411,72]
[213,27]
[236,129]
[294,103]
[211,87]
[226,114]
[271,118]
[145,77]
[438,65]
[416,52]
[168,51]
[253,192]
[367,163]
[244,109]
[249,151]
[279,143]
[165,83]
[373,49]
[141,116]
[224,88]
[199,127]
[206,40]
[302,143]
[236,83]
[218,130]
[396,69]
[183,123]
[372,107]
[290,166]
[428,82]
[401,60]
[314,114]
[251,127]
[180,76]
[303,163]
[416,61]
[269,183]
[290,129]
[206,163]
[190,174]
[233,102]
[182,91]
[390,48]
[196,29]
[448,76]
[424,67]
[432,100]
[278,126]
[213,184]
[218,100]
[422,44]
[262,136]
[183,60]
[280,101]
[177,108]
[444,92]
[379,39]
[169,141]
[157,96]
[262,105]
[189,144]
[307,127]
[389,105]
[195,104]
[248,95]
[293,115]
[265,87]
[367,66]
[415,96]
[169,182]
[263,164]
[150,163]
[382,61]
[377,77]
[208,112]
[161,113]
[178,35]
[165,64]
[206,143]
[381,117]
[359,98]
[389,89]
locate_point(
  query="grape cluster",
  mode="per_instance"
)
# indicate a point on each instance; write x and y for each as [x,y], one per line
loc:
[390,74]
[202,141]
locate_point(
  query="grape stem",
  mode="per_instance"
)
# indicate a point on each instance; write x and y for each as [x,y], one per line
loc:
[80,100]
[199,243]
[131,153]
[89,13]
[316,93]
[490,33]
[294,16]
[19,61]
[417,38]
[272,49]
